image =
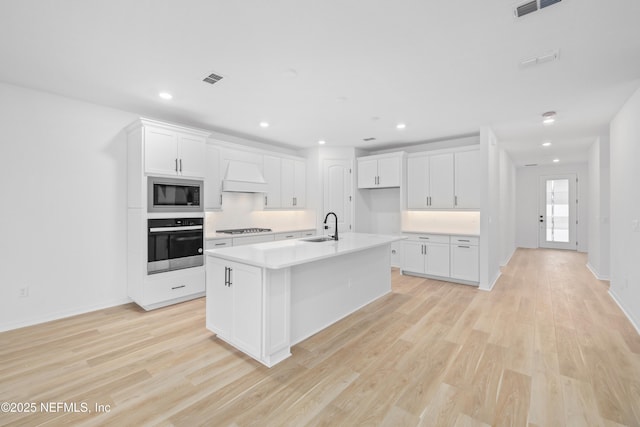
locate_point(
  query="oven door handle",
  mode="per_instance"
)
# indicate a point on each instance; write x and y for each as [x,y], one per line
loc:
[183,228]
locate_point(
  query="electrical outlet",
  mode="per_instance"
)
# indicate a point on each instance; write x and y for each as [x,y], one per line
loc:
[24,292]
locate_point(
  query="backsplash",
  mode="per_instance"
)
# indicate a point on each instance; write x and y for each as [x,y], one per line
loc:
[244,210]
[454,222]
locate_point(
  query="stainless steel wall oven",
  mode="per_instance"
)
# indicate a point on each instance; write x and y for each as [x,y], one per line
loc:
[174,243]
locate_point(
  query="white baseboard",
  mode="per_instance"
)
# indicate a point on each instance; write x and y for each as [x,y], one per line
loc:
[61,315]
[595,272]
[626,313]
[507,259]
[493,283]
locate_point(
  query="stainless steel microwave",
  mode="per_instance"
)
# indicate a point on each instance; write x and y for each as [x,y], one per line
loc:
[174,195]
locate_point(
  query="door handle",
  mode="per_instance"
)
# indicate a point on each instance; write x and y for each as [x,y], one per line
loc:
[180,165]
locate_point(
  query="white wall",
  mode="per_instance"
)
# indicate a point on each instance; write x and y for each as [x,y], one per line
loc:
[598,257]
[489,209]
[64,208]
[507,212]
[625,208]
[527,182]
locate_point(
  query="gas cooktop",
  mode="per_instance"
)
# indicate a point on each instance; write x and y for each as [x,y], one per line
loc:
[244,230]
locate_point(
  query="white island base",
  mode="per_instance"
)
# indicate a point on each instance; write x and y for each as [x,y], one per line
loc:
[264,298]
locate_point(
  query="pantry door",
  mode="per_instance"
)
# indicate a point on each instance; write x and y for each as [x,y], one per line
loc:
[557,214]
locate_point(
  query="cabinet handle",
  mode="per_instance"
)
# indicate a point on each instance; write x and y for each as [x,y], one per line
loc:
[180,165]
[220,199]
[230,271]
[464,247]
[178,287]
[226,276]
[455,200]
[423,238]
[295,201]
[266,201]
[220,244]
[176,165]
[463,240]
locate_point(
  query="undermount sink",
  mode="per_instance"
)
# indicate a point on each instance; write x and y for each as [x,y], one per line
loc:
[318,239]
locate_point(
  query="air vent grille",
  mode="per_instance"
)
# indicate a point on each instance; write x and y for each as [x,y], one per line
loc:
[533,6]
[545,3]
[212,78]
[369,139]
[527,8]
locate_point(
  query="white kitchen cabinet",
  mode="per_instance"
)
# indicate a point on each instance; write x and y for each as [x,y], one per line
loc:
[287,236]
[218,243]
[286,183]
[169,151]
[426,254]
[465,263]
[467,179]
[272,174]
[430,181]
[293,183]
[380,171]
[234,304]
[212,181]
[256,238]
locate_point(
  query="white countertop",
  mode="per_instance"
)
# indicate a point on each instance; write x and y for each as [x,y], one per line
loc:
[450,232]
[287,253]
[216,236]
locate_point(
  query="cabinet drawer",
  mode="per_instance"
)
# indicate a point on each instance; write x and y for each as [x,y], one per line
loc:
[429,238]
[174,284]
[247,240]
[286,236]
[218,243]
[307,233]
[465,240]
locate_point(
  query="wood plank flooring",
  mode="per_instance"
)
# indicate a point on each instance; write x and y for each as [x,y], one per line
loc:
[547,347]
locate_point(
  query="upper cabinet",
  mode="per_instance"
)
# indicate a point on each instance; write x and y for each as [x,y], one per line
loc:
[212,179]
[467,179]
[286,183]
[380,171]
[444,180]
[174,151]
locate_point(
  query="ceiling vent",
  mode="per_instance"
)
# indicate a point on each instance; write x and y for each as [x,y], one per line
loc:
[533,6]
[212,78]
[368,139]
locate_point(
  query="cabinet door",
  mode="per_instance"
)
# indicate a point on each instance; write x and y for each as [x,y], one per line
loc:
[246,282]
[287,186]
[212,183]
[272,171]
[417,182]
[299,183]
[219,299]
[437,259]
[192,156]
[467,179]
[367,173]
[160,152]
[441,180]
[389,172]
[413,256]
[465,262]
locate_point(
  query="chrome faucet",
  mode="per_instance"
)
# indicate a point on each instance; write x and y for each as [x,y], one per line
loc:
[335,236]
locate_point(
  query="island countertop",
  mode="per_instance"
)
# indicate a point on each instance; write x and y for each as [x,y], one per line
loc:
[288,253]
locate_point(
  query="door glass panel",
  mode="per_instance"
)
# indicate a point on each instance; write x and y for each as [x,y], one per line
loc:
[557,209]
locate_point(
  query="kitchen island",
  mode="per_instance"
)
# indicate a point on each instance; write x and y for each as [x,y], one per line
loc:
[266,297]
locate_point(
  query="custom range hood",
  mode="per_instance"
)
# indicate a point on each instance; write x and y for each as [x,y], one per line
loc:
[243,177]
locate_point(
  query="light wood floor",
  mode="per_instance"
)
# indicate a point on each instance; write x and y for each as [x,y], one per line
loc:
[547,347]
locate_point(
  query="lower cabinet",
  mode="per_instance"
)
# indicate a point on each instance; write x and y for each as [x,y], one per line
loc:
[454,258]
[465,258]
[427,254]
[234,304]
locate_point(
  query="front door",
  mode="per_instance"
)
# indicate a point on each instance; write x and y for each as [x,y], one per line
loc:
[557,212]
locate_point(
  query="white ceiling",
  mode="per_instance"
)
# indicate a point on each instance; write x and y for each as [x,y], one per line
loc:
[338,70]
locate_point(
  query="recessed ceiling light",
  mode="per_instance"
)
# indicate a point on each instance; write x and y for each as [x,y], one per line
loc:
[556,160]
[322,142]
[165,95]
[546,143]
[401,126]
[549,117]
[264,124]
